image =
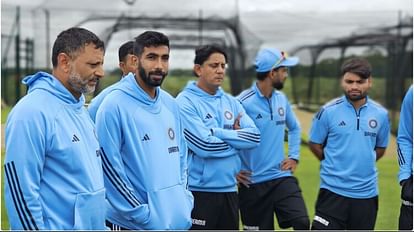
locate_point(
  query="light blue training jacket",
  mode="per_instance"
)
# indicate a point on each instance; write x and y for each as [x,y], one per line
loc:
[144,159]
[350,137]
[97,101]
[214,159]
[405,137]
[53,172]
[271,115]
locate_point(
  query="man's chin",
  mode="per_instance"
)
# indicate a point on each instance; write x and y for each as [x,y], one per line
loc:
[356,98]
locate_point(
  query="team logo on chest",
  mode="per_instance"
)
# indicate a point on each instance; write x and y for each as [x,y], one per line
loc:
[228,115]
[281,111]
[171,133]
[373,123]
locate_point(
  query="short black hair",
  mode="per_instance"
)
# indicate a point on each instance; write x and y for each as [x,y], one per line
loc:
[358,66]
[125,49]
[202,53]
[262,75]
[148,39]
[72,40]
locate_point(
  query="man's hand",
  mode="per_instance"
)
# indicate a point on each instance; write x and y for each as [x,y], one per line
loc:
[236,124]
[289,164]
[243,177]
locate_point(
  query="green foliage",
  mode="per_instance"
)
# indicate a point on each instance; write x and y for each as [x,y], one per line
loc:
[4,112]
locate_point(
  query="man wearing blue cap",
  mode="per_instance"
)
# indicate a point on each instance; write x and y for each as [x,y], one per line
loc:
[267,185]
[348,135]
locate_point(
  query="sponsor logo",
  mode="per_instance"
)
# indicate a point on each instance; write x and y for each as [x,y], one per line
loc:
[199,222]
[98,153]
[259,116]
[246,227]
[281,122]
[171,133]
[75,138]
[228,115]
[173,149]
[373,123]
[323,221]
[208,116]
[146,138]
[228,126]
[342,123]
[372,134]
[407,203]
[281,111]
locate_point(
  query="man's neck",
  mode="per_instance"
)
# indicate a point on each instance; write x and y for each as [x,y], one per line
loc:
[58,76]
[265,88]
[358,103]
[212,90]
[150,90]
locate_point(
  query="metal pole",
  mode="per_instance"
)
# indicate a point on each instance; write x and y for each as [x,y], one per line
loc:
[17,55]
[47,26]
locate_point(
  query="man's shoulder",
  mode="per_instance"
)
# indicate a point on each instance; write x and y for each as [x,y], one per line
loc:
[334,104]
[246,95]
[333,107]
[377,106]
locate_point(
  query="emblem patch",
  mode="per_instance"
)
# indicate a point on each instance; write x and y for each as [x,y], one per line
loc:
[171,134]
[373,123]
[228,115]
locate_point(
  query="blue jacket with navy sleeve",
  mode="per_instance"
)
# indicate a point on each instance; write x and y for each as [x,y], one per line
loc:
[214,156]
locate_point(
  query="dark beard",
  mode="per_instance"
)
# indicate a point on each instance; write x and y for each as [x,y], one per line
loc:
[146,78]
[356,98]
[278,85]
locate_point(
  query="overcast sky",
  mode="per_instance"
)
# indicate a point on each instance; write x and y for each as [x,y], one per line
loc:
[279,23]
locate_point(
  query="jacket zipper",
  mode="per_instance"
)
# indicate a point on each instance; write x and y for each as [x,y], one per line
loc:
[270,108]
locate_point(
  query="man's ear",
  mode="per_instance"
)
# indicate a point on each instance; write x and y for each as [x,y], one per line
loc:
[370,81]
[134,59]
[197,70]
[121,65]
[63,62]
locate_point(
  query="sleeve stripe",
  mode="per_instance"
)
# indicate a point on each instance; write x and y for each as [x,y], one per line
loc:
[255,140]
[113,176]
[253,135]
[18,193]
[195,143]
[249,94]
[319,114]
[401,160]
[12,187]
[203,143]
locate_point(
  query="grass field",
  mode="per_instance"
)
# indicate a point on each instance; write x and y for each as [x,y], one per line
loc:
[307,174]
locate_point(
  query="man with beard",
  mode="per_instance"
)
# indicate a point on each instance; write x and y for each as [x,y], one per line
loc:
[144,153]
[54,178]
[267,185]
[127,64]
[348,135]
[216,128]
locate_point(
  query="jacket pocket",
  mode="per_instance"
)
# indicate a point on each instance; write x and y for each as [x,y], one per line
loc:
[89,211]
[170,208]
